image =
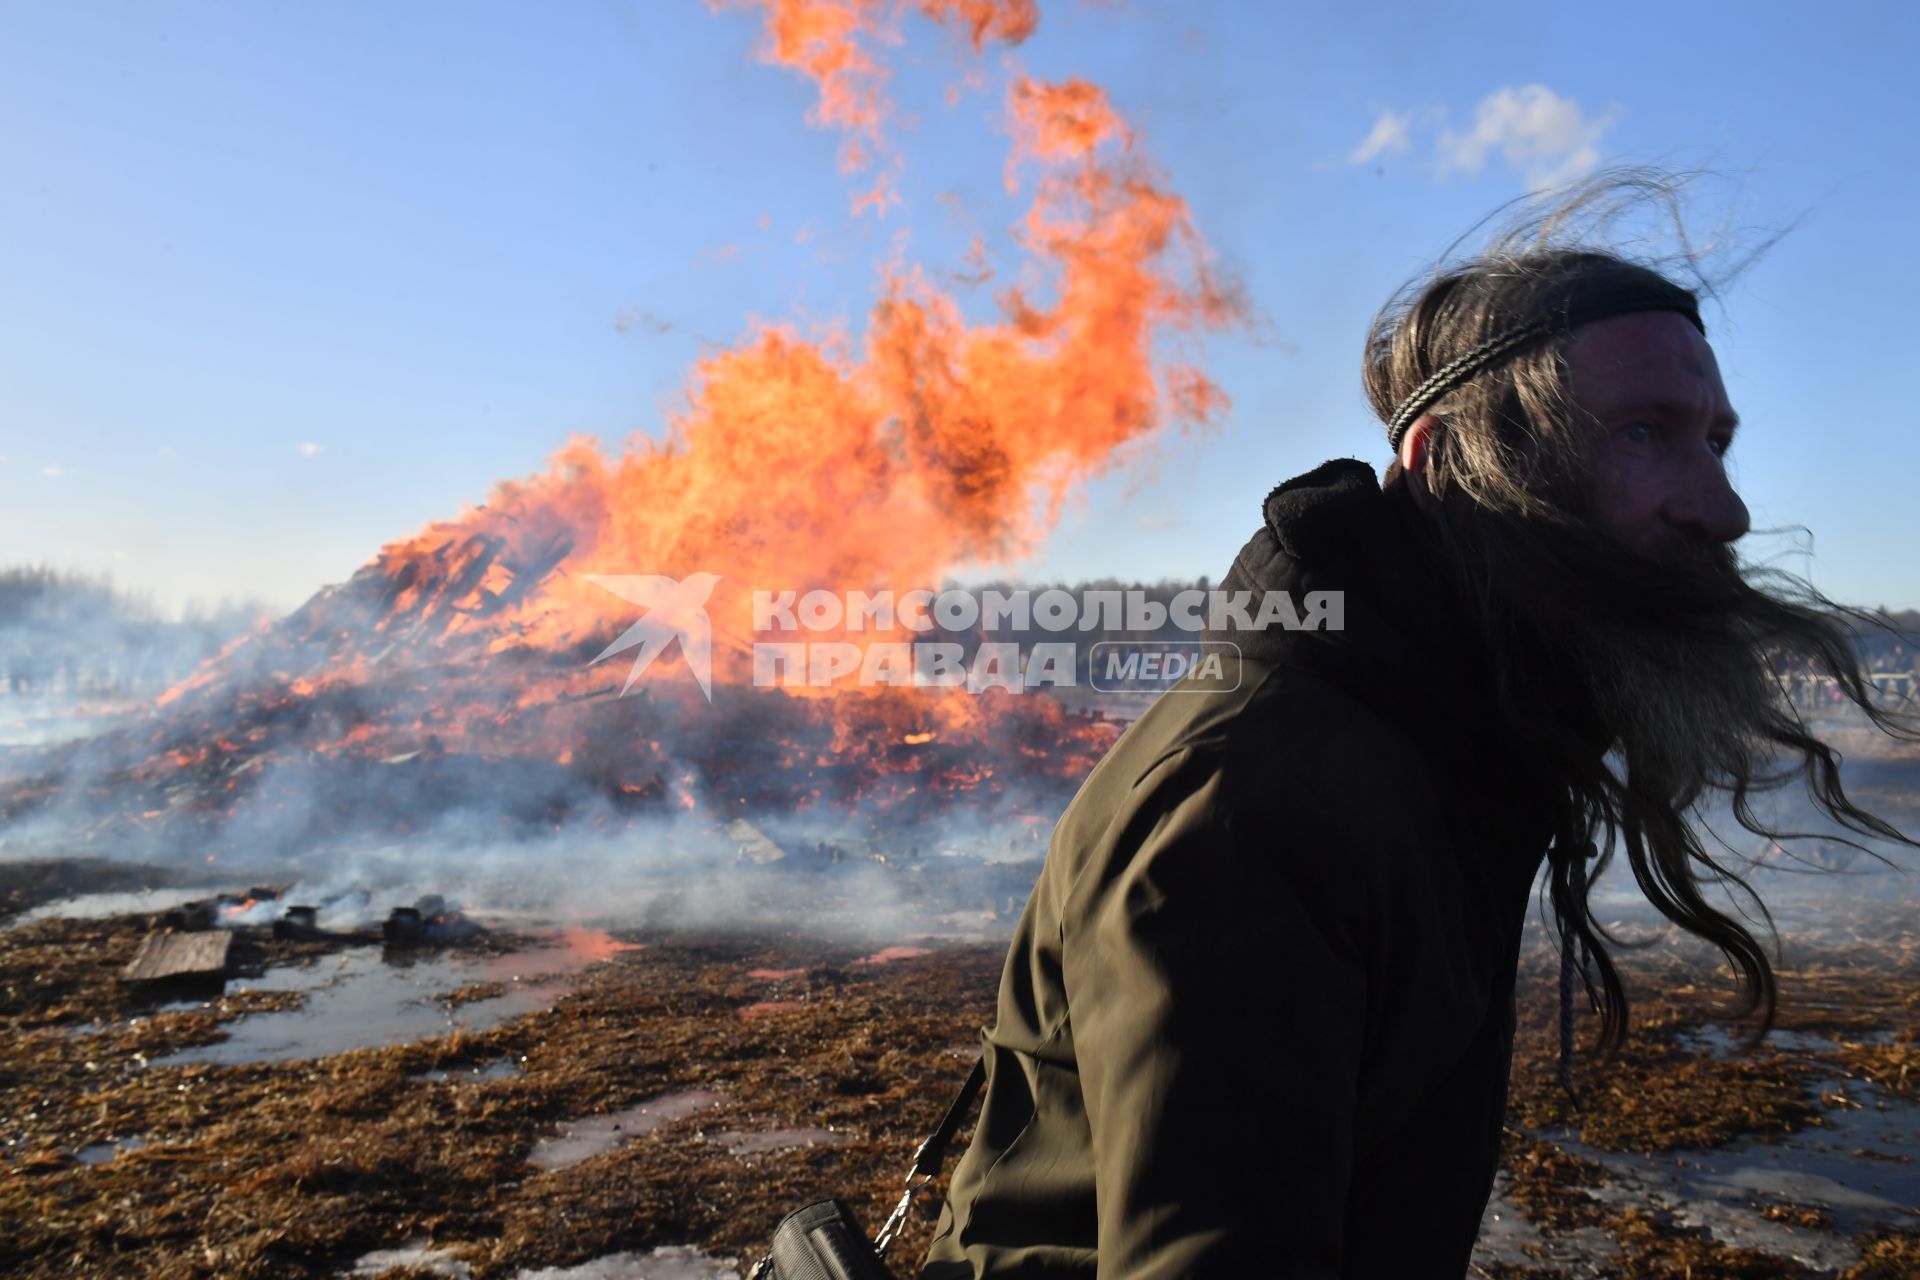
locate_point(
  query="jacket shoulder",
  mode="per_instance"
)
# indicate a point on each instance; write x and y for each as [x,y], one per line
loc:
[1271,730]
[1273,762]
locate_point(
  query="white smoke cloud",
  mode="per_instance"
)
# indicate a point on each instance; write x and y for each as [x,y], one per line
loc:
[1543,137]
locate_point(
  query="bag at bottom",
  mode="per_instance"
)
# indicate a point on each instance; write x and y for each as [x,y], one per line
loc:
[821,1242]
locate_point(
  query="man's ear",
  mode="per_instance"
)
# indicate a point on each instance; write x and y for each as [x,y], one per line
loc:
[1413,457]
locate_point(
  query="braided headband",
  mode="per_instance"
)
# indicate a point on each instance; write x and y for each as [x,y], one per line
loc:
[1595,298]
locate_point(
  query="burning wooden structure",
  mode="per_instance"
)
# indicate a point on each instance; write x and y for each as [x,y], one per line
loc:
[431,921]
[454,675]
[210,913]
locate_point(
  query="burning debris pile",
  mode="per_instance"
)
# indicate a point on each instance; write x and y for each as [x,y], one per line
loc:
[432,921]
[222,909]
[298,767]
[455,674]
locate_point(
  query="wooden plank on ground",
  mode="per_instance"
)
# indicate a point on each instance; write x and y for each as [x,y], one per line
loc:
[754,843]
[179,955]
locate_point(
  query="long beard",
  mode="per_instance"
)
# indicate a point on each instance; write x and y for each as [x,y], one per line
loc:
[1669,662]
[1639,685]
[1688,691]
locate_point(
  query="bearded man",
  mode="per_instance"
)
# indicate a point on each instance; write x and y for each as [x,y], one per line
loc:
[1258,1014]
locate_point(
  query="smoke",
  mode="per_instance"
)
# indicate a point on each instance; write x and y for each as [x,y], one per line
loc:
[745,820]
[70,636]
[675,872]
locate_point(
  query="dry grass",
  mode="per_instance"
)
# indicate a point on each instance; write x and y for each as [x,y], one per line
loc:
[295,1169]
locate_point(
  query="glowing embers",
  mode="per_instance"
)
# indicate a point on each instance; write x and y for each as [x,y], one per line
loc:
[514,748]
[226,909]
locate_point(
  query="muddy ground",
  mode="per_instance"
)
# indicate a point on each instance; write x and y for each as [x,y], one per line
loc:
[301,1168]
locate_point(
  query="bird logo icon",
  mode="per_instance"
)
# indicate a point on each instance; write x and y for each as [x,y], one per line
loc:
[676,610]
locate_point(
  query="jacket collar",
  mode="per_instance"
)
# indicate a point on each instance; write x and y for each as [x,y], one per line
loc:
[1407,649]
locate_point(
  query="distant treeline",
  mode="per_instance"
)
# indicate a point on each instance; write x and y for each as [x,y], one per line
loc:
[72,633]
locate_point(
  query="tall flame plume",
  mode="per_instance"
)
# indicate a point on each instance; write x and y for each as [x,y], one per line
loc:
[930,442]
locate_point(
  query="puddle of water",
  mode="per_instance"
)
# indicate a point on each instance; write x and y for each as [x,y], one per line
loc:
[1860,1162]
[418,1254]
[103,1152]
[775,975]
[501,1069]
[1860,1165]
[1508,1238]
[740,1142]
[590,1136]
[99,906]
[1721,1044]
[361,998]
[674,1262]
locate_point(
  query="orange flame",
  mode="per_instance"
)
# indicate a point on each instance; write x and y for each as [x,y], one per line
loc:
[798,465]
[875,464]
[832,43]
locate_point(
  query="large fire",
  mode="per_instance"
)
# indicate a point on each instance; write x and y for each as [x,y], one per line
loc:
[461,657]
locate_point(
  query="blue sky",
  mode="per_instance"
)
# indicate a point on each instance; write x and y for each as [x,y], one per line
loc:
[281,283]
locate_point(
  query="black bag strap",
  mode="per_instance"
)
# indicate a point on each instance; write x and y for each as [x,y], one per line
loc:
[822,1240]
[931,1154]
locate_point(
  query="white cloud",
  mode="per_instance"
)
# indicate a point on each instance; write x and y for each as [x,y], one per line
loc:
[1389,136]
[53,471]
[1543,137]
[308,449]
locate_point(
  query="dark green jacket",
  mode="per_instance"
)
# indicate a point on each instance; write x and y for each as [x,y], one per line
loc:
[1257,1016]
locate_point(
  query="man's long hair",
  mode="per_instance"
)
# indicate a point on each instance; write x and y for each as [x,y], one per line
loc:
[1639,685]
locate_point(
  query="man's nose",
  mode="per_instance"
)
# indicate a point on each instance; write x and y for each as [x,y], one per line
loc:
[1706,505]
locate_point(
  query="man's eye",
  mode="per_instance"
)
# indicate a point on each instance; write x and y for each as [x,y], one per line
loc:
[1720,445]
[1638,432]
